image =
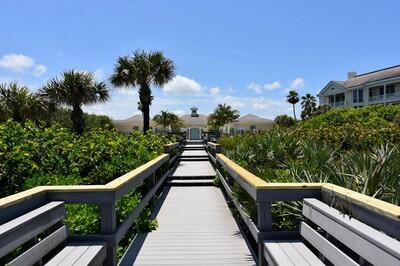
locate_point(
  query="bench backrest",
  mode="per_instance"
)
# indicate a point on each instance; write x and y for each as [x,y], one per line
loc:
[370,244]
[27,227]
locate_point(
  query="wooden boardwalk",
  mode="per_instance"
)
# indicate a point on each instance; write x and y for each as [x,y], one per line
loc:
[195,226]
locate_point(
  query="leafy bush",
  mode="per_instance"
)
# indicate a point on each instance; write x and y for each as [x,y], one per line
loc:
[31,156]
[355,148]
[369,116]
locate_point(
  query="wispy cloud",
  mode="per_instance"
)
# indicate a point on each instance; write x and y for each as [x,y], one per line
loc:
[258,88]
[22,63]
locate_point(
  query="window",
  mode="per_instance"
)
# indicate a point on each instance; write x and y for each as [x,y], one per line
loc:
[358,96]
[390,89]
[381,90]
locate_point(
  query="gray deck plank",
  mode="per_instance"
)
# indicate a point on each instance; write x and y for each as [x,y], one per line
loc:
[195,228]
[194,153]
[194,168]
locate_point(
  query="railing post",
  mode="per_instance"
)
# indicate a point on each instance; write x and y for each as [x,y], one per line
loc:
[150,183]
[264,224]
[108,223]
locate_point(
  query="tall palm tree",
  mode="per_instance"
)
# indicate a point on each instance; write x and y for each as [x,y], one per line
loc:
[222,115]
[143,69]
[293,98]
[75,89]
[309,104]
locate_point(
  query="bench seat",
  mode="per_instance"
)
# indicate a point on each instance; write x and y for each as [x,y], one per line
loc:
[338,239]
[85,253]
[289,252]
[41,233]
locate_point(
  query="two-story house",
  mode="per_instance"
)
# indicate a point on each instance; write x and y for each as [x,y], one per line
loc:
[376,87]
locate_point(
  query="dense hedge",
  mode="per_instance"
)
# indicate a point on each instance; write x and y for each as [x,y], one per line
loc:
[32,156]
[374,116]
[355,148]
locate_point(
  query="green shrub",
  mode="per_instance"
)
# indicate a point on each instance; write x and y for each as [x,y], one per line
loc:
[31,156]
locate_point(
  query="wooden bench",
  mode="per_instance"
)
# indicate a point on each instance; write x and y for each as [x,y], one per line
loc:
[331,237]
[44,240]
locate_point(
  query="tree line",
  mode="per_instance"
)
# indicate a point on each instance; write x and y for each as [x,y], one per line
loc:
[73,89]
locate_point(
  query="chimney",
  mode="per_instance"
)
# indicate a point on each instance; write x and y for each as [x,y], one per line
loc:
[351,74]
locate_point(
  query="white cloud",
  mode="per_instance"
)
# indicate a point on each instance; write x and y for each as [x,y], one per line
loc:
[16,62]
[258,88]
[296,84]
[215,91]
[235,102]
[99,74]
[273,86]
[21,63]
[182,86]
[39,70]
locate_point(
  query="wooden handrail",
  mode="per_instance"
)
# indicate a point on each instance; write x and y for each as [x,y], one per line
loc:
[112,186]
[256,183]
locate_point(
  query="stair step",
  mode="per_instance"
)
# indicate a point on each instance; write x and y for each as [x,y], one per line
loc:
[193,159]
[190,182]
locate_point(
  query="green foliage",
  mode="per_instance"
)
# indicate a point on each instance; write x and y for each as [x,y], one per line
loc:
[222,115]
[369,116]
[284,121]
[31,156]
[168,119]
[18,103]
[355,148]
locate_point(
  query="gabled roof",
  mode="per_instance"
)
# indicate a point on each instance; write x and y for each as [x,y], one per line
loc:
[377,75]
[366,78]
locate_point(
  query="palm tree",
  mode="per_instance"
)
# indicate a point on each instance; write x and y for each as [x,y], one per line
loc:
[293,98]
[167,119]
[308,103]
[18,103]
[222,115]
[75,89]
[143,69]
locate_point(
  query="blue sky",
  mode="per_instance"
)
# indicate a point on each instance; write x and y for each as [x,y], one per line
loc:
[244,53]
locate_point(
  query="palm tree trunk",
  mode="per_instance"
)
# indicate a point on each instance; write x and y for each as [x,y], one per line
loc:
[145,101]
[146,117]
[77,119]
[294,112]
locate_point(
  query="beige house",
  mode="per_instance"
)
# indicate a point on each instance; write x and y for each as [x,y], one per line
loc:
[248,123]
[377,87]
[132,123]
[194,124]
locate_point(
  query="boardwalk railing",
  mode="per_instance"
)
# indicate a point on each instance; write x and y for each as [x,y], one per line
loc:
[376,213]
[152,175]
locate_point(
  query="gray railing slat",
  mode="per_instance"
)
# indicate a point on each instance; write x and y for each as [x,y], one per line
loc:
[39,250]
[363,239]
[21,229]
[326,248]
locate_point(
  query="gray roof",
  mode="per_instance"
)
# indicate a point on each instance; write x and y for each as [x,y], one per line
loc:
[377,75]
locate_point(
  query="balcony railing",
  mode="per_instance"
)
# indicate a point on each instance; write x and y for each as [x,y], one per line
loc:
[336,104]
[384,98]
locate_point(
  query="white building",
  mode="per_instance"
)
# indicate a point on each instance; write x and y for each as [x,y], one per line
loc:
[195,124]
[248,123]
[380,86]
